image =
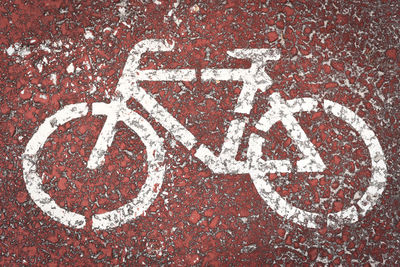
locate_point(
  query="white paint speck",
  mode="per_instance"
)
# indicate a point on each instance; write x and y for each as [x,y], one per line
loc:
[177,21]
[93,89]
[195,8]
[45,46]
[89,34]
[53,78]
[70,68]
[123,13]
[39,66]
[172,15]
[10,50]
[19,50]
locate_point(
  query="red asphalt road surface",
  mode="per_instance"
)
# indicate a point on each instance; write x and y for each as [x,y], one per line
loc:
[54,53]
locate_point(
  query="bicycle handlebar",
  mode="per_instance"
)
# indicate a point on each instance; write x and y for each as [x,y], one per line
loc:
[253,78]
[257,56]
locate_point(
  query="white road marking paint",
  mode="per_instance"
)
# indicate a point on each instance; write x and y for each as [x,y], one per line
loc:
[253,79]
[259,168]
[136,207]
[156,168]
[127,87]
[164,75]
[163,117]
[195,8]
[280,205]
[42,96]
[29,160]
[225,162]
[377,183]
[104,141]
[311,162]
[39,66]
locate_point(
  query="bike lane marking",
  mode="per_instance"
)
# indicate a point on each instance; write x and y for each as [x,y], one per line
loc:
[280,111]
[369,239]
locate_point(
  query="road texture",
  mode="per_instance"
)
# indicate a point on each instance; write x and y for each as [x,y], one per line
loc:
[57,53]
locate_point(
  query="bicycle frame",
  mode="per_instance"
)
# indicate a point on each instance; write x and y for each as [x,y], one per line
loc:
[253,78]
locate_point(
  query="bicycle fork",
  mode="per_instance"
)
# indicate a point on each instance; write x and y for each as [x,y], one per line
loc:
[253,78]
[128,87]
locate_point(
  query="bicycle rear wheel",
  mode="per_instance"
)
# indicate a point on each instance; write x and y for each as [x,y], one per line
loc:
[259,168]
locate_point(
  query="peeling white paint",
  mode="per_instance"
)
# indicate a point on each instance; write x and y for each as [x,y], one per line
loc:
[19,50]
[171,14]
[253,79]
[259,168]
[155,159]
[33,181]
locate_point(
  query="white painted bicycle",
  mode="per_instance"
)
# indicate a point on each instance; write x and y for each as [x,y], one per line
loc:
[253,78]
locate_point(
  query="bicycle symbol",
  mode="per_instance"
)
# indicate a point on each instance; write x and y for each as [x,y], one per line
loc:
[253,78]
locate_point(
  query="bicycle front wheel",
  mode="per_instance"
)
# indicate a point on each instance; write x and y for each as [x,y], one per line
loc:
[114,218]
